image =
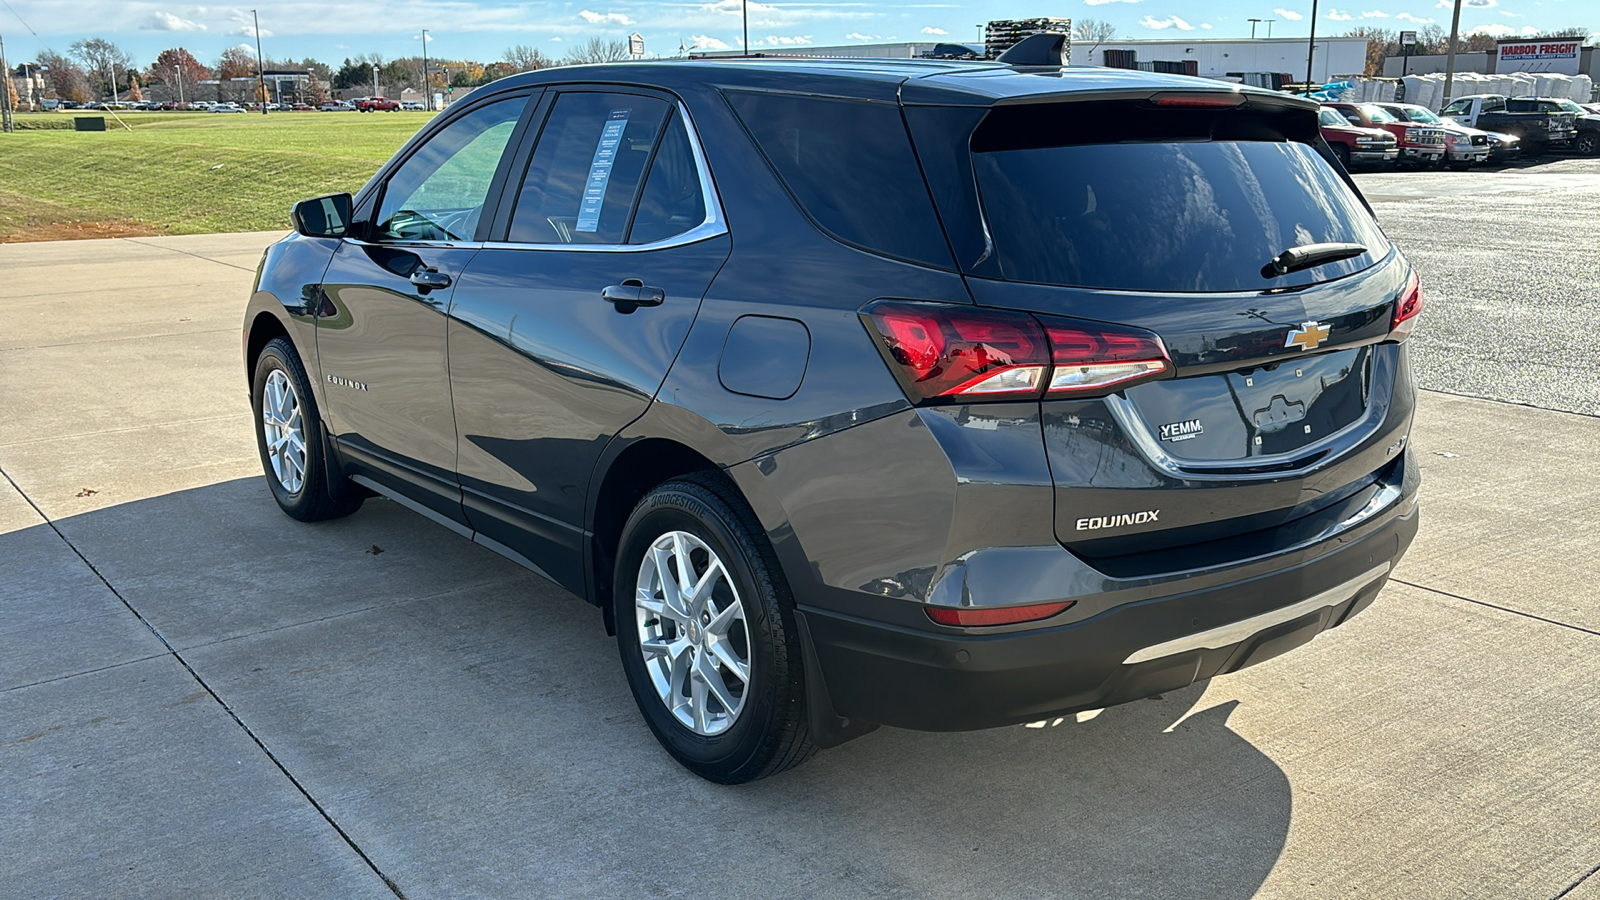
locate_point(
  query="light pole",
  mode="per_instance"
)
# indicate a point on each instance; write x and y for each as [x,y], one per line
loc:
[1311,46]
[1252,27]
[261,75]
[375,90]
[1450,58]
[744,13]
[178,70]
[114,98]
[427,92]
[1269,27]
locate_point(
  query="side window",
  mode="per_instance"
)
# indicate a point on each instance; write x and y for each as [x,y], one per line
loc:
[1493,105]
[672,201]
[1458,108]
[850,166]
[586,169]
[438,193]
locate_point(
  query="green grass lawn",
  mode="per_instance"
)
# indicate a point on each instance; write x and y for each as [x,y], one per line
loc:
[185,173]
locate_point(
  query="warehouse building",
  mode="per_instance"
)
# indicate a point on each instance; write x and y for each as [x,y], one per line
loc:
[1336,57]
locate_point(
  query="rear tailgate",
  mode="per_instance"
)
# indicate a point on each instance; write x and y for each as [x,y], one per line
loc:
[1287,400]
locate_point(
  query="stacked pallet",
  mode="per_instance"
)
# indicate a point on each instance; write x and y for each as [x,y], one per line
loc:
[1001,35]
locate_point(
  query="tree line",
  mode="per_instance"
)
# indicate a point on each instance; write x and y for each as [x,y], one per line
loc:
[96,68]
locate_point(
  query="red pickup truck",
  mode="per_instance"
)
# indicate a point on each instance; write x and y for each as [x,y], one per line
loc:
[1421,144]
[377,104]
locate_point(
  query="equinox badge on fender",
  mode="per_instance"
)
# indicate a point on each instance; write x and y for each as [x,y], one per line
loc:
[1307,336]
[1096,523]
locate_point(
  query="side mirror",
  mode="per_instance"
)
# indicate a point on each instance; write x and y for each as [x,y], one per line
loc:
[327,217]
[1353,120]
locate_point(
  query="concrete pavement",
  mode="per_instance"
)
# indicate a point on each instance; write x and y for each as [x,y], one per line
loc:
[199,696]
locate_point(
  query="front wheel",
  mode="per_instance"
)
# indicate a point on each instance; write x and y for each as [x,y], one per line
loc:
[289,438]
[1342,154]
[1587,144]
[706,631]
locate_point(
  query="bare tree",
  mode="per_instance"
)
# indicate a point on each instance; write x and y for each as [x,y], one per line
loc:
[524,58]
[1094,32]
[100,57]
[598,50]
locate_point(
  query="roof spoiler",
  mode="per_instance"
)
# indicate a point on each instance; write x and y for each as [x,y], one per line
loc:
[1044,48]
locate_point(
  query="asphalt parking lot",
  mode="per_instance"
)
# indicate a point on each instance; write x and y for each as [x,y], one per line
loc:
[201,697]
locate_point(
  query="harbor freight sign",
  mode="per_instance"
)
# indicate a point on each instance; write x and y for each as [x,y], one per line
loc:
[1558,56]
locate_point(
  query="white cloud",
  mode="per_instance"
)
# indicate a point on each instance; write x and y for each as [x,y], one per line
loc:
[788,40]
[1480,4]
[1156,24]
[1289,14]
[1509,14]
[1104,2]
[735,8]
[1491,30]
[1337,15]
[594,18]
[1375,14]
[168,22]
[1416,19]
[932,30]
[1206,25]
[707,42]
[858,36]
[1530,31]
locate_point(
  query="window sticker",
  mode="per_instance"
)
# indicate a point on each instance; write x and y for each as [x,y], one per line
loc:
[594,191]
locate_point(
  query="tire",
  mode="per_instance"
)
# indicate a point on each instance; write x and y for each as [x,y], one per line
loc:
[761,729]
[285,409]
[1587,144]
[1342,154]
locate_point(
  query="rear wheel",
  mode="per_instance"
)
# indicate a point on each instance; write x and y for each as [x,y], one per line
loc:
[1587,144]
[705,628]
[290,440]
[1342,153]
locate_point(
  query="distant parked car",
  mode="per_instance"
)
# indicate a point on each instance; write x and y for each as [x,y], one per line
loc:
[303,107]
[412,105]
[1419,144]
[1541,124]
[228,108]
[1463,146]
[1353,144]
[337,106]
[377,104]
[1503,146]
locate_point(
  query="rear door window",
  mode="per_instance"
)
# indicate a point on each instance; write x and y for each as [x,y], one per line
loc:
[849,165]
[1166,216]
[586,170]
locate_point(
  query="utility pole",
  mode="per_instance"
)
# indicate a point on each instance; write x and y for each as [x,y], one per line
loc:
[6,125]
[744,12]
[1450,56]
[1269,27]
[1252,27]
[114,98]
[261,75]
[179,70]
[1311,46]
[375,90]
[427,91]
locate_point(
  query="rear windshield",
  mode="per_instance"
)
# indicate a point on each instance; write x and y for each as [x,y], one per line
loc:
[1168,216]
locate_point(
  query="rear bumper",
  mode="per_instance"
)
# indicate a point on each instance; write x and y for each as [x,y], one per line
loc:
[953,679]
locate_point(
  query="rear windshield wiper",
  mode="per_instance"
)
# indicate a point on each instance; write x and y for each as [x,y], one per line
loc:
[1304,257]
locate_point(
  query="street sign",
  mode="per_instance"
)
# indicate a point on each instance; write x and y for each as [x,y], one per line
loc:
[636,45]
[1408,38]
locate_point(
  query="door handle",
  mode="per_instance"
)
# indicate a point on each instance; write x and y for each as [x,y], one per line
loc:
[633,293]
[429,279]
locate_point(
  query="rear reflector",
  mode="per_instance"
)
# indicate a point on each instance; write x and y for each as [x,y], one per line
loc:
[1005,615]
[942,353]
[1406,310]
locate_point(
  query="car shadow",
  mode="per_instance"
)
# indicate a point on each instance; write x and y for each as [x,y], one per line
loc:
[467,725]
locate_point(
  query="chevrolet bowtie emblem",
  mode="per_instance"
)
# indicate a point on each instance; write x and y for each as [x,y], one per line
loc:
[1307,336]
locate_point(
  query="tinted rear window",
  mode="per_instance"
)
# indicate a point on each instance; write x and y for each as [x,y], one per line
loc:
[1168,216]
[849,165]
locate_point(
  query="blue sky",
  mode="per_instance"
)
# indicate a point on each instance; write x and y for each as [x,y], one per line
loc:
[334,29]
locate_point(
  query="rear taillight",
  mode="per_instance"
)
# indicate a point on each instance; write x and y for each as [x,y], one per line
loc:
[961,354]
[1406,310]
[1004,615]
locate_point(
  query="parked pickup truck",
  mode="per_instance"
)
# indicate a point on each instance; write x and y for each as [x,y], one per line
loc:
[1541,123]
[1354,145]
[377,104]
[1419,144]
[1463,146]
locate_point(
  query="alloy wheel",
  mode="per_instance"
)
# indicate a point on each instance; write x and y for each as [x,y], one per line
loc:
[284,430]
[692,633]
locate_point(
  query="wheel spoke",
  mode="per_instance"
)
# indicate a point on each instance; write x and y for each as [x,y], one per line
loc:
[712,678]
[723,620]
[697,702]
[726,656]
[671,593]
[700,593]
[684,579]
